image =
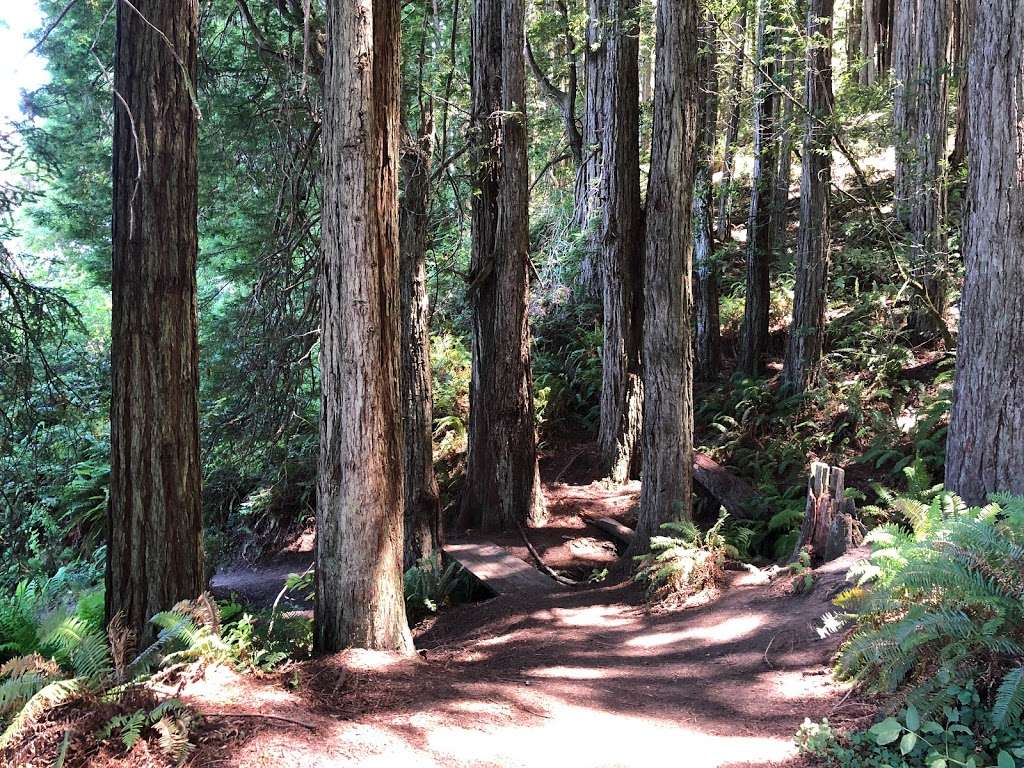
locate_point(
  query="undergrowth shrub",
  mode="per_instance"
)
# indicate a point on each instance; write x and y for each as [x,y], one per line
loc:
[938,607]
[684,561]
[431,586]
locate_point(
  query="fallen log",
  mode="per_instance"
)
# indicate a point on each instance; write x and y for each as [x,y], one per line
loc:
[736,495]
[613,528]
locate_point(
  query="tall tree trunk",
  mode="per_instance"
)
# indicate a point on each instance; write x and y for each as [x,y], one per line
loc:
[154,525]
[986,433]
[732,128]
[621,242]
[919,113]
[668,354]
[423,533]
[787,130]
[706,291]
[963,17]
[361,485]
[760,248]
[869,42]
[502,482]
[807,330]
[854,18]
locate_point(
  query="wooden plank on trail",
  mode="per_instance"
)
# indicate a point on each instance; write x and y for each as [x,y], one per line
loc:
[501,571]
[613,528]
[728,490]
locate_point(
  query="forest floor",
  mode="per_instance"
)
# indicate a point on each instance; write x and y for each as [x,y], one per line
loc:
[586,676]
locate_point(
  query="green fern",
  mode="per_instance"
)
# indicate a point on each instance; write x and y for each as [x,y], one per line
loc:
[947,595]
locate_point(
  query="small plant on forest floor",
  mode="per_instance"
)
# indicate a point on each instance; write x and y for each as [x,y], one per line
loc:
[941,602]
[961,734]
[430,586]
[684,561]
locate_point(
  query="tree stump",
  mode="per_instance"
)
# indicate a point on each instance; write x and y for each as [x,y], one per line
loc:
[829,528]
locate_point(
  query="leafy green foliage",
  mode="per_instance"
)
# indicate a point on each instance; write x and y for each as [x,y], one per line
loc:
[945,604]
[684,561]
[961,733]
[430,586]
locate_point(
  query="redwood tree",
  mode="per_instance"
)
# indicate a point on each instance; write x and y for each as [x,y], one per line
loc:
[502,486]
[807,329]
[423,533]
[760,248]
[361,480]
[706,288]
[986,434]
[154,525]
[668,354]
[920,99]
[620,238]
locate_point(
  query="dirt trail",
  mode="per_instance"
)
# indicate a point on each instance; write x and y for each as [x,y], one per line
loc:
[583,678]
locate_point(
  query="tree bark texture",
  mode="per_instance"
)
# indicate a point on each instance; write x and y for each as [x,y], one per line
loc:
[920,101]
[787,132]
[732,128]
[854,15]
[620,241]
[963,24]
[502,481]
[760,248]
[154,525]
[807,330]
[706,282]
[986,435]
[361,486]
[423,531]
[668,354]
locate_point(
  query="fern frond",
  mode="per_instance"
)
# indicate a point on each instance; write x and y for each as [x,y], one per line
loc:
[1009,698]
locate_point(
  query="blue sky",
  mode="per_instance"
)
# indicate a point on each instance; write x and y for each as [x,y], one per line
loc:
[21,71]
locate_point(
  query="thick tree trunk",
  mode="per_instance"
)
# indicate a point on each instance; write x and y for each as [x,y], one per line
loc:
[668,355]
[807,330]
[361,479]
[423,534]
[502,482]
[706,293]
[919,113]
[732,128]
[760,248]
[620,242]
[986,434]
[154,526]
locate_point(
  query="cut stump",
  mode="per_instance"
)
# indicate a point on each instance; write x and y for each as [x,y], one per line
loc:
[829,527]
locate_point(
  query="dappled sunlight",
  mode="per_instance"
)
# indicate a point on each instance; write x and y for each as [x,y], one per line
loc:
[729,629]
[799,684]
[569,673]
[571,736]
